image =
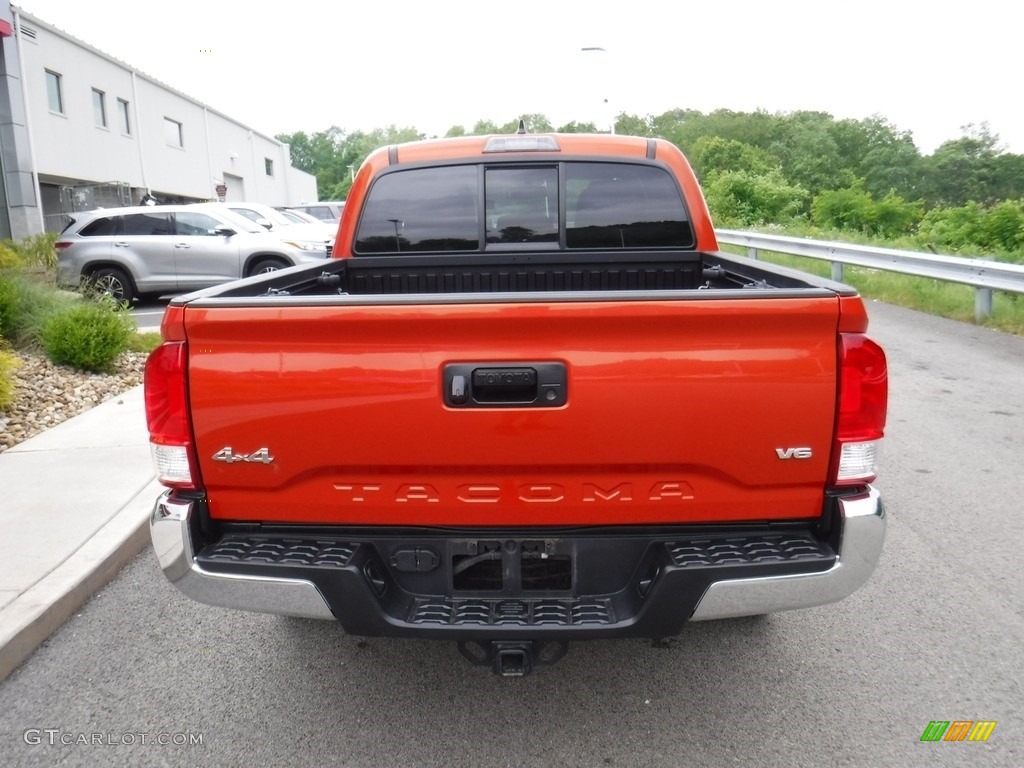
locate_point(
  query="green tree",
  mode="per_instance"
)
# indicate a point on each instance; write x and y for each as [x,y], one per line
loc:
[575,127]
[809,154]
[1007,176]
[300,150]
[962,170]
[534,123]
[633,125]
[484,128]
[713,155]
[884,157]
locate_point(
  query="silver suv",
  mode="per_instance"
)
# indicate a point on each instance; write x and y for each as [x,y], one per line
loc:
[127,252]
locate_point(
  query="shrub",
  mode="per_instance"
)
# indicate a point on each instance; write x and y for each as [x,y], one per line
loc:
[855,209]
[9,258]
[975,229]
[8,362]
[747,199]
[8,308]
[89,335]
[25,303]
[34,251]
[1002,228]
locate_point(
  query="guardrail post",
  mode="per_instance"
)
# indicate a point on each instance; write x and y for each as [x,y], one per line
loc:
[752,252]
[837,271]
[982,304]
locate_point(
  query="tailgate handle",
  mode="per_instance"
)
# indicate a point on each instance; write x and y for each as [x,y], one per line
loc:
[490,385]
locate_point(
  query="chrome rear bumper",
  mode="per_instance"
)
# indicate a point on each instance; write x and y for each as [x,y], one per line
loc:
[861,538]
[172,541]
[860,546]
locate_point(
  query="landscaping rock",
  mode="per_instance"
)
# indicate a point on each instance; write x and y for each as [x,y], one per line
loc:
[46,394]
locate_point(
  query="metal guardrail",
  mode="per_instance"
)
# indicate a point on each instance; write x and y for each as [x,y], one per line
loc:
[984,276]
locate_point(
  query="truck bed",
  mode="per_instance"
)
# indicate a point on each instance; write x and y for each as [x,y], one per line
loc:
[529,272]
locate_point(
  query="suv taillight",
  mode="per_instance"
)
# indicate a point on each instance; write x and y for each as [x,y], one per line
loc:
[170,433]
[863,401]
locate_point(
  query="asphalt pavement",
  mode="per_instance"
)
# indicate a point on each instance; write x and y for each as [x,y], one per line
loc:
[75,506]
[935,635]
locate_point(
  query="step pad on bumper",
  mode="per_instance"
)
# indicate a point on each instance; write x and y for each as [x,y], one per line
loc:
[513,612]
[748,549]
[238,549]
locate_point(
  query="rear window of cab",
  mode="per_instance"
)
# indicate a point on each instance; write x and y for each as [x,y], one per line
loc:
[570,205]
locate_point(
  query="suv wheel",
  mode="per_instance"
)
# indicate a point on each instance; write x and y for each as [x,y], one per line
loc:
[266,265]
[112,282]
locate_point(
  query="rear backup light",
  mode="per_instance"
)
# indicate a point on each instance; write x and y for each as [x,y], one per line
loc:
[172,465]
[863,401]
[857,461]
[170,434]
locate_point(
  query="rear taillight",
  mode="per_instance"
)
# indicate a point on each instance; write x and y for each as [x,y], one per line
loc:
[170,432]
[863,400]
[60,245]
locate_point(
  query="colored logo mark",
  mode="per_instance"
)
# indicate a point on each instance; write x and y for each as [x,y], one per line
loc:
[958,730]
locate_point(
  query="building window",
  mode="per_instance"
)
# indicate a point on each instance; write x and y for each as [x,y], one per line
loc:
[122,115]
[99,108]
[54,93]
[172,132]
[268,164]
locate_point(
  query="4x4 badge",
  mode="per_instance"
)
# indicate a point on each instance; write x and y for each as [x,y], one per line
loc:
[228,456]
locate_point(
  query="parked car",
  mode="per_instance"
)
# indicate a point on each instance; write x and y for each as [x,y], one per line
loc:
[272,219]
[298,217]
[328,210]
[127,252]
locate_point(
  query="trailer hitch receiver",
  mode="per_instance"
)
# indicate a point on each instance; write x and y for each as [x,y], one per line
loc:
[515,658]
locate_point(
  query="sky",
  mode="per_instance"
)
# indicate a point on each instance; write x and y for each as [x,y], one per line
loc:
[308,65]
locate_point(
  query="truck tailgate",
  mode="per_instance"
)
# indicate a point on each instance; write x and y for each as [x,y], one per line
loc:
[675,411]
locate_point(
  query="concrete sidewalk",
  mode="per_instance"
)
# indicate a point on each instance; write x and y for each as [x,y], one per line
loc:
[74,507]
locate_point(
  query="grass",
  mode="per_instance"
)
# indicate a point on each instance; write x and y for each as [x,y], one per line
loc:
[144,342]
[34,299]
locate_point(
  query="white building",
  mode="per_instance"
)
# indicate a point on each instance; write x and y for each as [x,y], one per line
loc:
[80,129]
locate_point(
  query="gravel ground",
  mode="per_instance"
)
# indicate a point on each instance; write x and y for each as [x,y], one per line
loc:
[46,394]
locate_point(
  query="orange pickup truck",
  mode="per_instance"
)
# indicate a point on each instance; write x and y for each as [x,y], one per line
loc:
[529,401]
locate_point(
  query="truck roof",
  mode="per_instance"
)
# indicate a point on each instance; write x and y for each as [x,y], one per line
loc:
[565,143]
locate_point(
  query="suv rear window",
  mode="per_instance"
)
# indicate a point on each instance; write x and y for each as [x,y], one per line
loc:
[148,224]
[104,226]
[574,205]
